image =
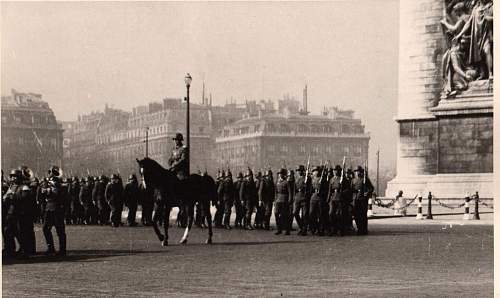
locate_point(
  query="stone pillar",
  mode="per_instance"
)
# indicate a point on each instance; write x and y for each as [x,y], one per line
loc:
[420,52]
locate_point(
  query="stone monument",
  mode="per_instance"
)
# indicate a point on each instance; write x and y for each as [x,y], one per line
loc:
[445,99]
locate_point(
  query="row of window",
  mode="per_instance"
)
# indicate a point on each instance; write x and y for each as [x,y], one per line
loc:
[349,150]
[300,128]
[141,133]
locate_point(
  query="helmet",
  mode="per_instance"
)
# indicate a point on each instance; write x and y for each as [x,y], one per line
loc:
[240,175]
[178,136]
[114,176]
[15,173]
[54,171]
[132,177]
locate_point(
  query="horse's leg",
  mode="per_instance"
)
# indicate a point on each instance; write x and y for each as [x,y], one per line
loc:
[166,223]
[208,215]
[156,228]
[189,212]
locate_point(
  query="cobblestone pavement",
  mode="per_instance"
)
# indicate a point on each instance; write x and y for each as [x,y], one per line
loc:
[401,257]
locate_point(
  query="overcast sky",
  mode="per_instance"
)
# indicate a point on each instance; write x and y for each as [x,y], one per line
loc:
[80,56]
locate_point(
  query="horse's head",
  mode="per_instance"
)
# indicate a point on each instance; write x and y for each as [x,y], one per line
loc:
[154,174]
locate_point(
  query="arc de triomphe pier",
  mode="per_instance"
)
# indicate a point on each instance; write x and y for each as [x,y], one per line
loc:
[445,99]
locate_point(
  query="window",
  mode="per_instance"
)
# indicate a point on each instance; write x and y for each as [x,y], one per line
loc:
[302,149]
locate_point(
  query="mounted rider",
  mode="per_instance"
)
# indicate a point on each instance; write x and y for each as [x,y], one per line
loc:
[179,160]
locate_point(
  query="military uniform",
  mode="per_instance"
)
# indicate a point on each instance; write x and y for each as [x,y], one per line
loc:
[76,207]
[338,201]
[219,203]
[178,162]
[301,203]
[281,204]
[11,208]
[226,192]
[27,208]
[361,192]
[248,195]
[238,205]
[147,203]
[317,208]
[100,200]
[266,195]
[131,197]
[114,197]
[86,201]
[259,214]
[54,216]
[291,181]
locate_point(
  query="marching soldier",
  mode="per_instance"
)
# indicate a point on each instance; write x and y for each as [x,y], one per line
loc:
[266,195]
[66,187]
[131,196]
[10,213]
[283,199]
[100,200]
[291,179]
[362,189]
[317,205]
[219,203]
[338,200]
[226,192]
[86,201]
[238,205]
[301,200]
[248,195]
[54,213]
[114,197]
[259,214]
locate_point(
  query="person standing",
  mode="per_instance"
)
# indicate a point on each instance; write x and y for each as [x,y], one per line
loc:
[283,198]
[131,195]
[147,204]
[266,195]
[362,190]
[114,197]
[10,214]
[219,203]
[248,195]
[226,192]
[301,200]
[259,214]
[316,210]
[338,198]
[291,180]
[238,205]
[54,214]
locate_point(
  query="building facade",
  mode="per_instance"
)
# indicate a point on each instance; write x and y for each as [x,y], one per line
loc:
[289,139]
[31,135]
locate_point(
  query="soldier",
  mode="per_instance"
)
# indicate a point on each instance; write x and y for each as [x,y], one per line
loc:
[266,195]
[178,164]
[338,200]
[66,187]
[131,195]
[259,214]
[100,200]
[147,203]
[349,211]
[238,205]
[291,179]
[114,197]
[54,213]
[86,201]
[10,213]
[283,198]
[219,203]
[248,195]
[301,200]
[226,192]
[362,189]
[318,200]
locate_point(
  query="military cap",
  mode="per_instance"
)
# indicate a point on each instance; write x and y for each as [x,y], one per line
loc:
[229,173]
[102,178]
[283,171]
[259,174]
[301,168]
[178,136]
[359,169]
[316,169]
[54,171]
[337,168]
[114,176]
[240,175]
[15,172]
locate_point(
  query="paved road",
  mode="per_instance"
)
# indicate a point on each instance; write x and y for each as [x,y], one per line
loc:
[402,257]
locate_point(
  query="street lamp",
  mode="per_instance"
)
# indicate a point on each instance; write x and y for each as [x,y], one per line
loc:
[187,80]
[147,140]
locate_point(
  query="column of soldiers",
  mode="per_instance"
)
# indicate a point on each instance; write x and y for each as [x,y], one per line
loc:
[54,201]
[322,200]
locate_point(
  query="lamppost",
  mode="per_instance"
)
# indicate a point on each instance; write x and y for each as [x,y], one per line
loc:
[147,140]
[187,80]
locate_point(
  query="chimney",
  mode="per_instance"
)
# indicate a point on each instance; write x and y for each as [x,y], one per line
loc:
[304,100]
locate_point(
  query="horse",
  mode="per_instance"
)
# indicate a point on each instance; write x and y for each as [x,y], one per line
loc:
[173,192]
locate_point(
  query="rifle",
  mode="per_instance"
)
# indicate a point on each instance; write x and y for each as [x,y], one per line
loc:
[307,168]
[364,177]
[343,171]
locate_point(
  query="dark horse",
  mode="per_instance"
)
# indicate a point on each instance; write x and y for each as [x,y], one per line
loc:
[184,194]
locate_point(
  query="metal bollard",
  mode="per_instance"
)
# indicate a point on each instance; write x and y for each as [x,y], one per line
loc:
[476,209]
[466,211]
[429,206]
[419,208]
[370,208]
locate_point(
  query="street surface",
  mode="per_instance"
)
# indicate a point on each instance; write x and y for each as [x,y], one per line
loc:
[401,257]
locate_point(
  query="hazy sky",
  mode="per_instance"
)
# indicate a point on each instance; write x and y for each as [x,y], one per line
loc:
[80,56]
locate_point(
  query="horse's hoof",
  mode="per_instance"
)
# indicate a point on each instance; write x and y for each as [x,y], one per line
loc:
[183,241]
[209,241]
[164,243]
